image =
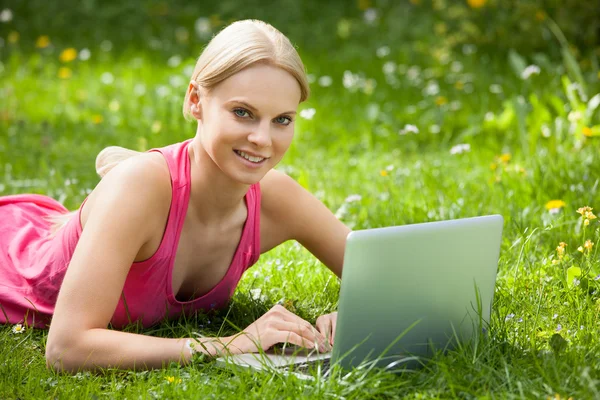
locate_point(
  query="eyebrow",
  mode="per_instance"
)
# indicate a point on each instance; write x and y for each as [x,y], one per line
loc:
[253,109]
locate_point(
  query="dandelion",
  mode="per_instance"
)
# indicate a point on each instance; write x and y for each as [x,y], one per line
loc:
[476,3]
[308,113]
[18,328]
[587,131]
[97,119]
[364,5]
[540,15]
[64,73]
[460,148]
[530,70]
[505,158]
[172,379]
[383,172]
[441,100]
[68,55]
[554,206]
[13,37]
[42,42]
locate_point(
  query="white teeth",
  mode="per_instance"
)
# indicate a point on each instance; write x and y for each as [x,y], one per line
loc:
[249,157]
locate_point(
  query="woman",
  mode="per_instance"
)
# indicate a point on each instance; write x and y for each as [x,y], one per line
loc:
[170,231]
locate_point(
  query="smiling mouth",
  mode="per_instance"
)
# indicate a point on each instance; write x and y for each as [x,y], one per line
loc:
[254,159]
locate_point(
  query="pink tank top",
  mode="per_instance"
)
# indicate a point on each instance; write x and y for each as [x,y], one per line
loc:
[32,265]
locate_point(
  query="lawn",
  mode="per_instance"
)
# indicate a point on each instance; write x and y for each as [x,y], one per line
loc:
[420,111]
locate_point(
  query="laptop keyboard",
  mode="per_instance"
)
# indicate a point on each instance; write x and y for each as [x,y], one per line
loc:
[308,366]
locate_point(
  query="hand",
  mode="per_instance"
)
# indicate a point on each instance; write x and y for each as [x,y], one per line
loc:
[277,325]
[326,326]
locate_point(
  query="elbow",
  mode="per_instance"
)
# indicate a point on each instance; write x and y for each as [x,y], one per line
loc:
[59,358]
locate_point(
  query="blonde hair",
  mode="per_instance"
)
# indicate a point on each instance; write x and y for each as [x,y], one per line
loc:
[241,44]
[238,46]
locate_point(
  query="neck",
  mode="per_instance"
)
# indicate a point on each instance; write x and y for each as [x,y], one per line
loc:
[214,196]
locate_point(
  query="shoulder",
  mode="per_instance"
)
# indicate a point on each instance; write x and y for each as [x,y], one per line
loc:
[139,187]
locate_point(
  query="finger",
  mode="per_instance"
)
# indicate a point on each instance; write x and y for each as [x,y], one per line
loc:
[289,316]
[309,334]
[293,338]
[324,327]
[333,326]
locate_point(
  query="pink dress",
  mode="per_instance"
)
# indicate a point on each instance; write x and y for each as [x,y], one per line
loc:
[33,265]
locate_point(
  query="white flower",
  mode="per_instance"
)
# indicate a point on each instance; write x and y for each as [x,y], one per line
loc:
[435,129]
[509,316]
[308,113]
[203,28]
[432,88]
[353,198]
[174,61]
[495,88]
[18,328]
[139,89]
[530,70]
[6,15]
[408,128]
[107,78]
[325,81]
[389,67]
[106,45]
[370,15]
[176,81]
[383,51]
[85,54]
[460,148]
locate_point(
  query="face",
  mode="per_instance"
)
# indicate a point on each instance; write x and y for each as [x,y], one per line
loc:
[247,121]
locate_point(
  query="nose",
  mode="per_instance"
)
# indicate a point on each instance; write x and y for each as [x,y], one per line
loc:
[261,134]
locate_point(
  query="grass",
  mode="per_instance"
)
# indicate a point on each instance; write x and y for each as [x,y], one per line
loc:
[531,141]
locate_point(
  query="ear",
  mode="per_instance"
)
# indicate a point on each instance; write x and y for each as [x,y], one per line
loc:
[194,103]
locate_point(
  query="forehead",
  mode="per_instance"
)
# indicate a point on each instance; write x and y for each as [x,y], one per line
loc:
[266,87]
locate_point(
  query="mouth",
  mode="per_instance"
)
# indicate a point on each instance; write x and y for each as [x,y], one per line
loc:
[252,158]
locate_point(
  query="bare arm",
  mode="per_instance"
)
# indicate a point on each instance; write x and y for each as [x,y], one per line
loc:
[121,220]
[302,217]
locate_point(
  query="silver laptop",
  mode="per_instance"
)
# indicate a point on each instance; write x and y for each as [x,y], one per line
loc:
[406,292]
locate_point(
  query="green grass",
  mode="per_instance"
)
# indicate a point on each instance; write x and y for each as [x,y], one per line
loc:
[544,334]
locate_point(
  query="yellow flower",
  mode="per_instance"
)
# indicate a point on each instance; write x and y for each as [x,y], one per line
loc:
[560,250]
[587,131]
[493,166]
[505,158]
[555,204]
[64,73]
[42,42]
[580,248]
[383,172]
[97,119]
[13,37]
[588,245]
[459,85]
[540,15]
[364,4]
[586,222]
[156,127]
[441,100]
[172,379]
[476,3]
[68,55]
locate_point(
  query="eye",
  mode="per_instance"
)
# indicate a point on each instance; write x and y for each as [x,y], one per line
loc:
[240,112]
[283,120]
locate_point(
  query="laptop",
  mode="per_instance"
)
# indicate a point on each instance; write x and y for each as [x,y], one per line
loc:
[406,292]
